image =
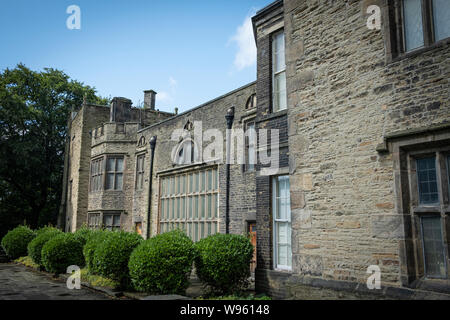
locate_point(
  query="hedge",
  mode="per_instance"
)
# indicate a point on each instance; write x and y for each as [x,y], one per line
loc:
[111,256]
[62,251]
[223,262]
[83,234]
[36,245]
[162,264]
[15,242]
[93,241]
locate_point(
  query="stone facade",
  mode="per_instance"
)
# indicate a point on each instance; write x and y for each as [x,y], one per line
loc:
[360,111]
[347,92]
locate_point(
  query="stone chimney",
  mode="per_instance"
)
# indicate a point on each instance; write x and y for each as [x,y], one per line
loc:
[149,99]
[120,110]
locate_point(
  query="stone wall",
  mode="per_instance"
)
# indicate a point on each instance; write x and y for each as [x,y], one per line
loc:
[87,118]
[212,116]
[344,96]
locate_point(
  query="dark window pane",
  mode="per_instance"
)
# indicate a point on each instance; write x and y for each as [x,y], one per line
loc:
[433,247]
[441,14]
[412,11]
[426,175]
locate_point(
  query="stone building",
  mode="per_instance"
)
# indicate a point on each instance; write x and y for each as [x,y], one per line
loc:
[363,121]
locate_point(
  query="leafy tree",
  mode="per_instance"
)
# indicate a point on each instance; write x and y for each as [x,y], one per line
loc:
[34,109]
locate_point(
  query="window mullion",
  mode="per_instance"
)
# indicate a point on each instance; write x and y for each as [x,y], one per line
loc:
[427,23]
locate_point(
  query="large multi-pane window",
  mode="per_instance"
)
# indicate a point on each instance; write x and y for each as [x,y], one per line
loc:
[278,73]
[140,171]
[281,211]
[114,173]
[425,22]
[189,201]
[97,174]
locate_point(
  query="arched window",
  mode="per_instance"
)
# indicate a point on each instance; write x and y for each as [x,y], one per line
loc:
[251,102]
[185,153]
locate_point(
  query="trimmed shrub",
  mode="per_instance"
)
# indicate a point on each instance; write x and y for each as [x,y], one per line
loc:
[15,242]
[93,241]
[35,246]
[62,251]
[83,234]
[112,255]
[223,262]
[162,264]
[43,230]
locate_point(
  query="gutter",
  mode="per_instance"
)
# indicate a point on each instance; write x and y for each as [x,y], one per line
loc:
[229,117]
[152,143]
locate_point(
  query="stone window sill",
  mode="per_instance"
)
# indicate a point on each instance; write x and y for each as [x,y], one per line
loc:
[420,51]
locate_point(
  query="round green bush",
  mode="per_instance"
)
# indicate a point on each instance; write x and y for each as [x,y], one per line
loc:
[93,241]
[83,234]
[43,230]
[35,246]
[223,262]
[15,242]
[112,255]
[162,264]
[62,251]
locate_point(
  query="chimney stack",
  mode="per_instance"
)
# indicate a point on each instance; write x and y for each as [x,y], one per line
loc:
[149,99]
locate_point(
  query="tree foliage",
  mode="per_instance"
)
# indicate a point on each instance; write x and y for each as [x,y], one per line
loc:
[34,109]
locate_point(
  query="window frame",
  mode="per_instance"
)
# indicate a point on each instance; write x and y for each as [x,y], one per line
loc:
[394,27]
[174,193]
[94,226]
[114,172]
[112,214]
[250,167]
[277,266]
[420,210]
[140,172]
[274,73]
[251,102]
[99,182]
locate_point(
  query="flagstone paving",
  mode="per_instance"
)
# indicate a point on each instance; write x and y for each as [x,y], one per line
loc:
[19,283]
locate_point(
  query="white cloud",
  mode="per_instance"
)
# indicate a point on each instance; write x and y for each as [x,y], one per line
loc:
[172,82]
[246,55]
[163,97]
[168,95]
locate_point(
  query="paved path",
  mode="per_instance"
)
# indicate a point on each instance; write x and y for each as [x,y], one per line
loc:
[19,283]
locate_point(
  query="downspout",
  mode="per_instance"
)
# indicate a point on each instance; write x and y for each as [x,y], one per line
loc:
[229,117]
[152,143]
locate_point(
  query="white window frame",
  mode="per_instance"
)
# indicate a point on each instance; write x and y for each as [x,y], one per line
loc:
[275,94]
[173,193]
[276,266]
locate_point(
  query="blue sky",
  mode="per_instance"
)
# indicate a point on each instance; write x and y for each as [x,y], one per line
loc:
[187,51]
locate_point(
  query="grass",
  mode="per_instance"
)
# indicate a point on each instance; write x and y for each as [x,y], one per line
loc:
[98,281]
[28,262]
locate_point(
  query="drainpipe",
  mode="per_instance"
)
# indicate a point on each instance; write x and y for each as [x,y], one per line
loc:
[152,143]
[229,117]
